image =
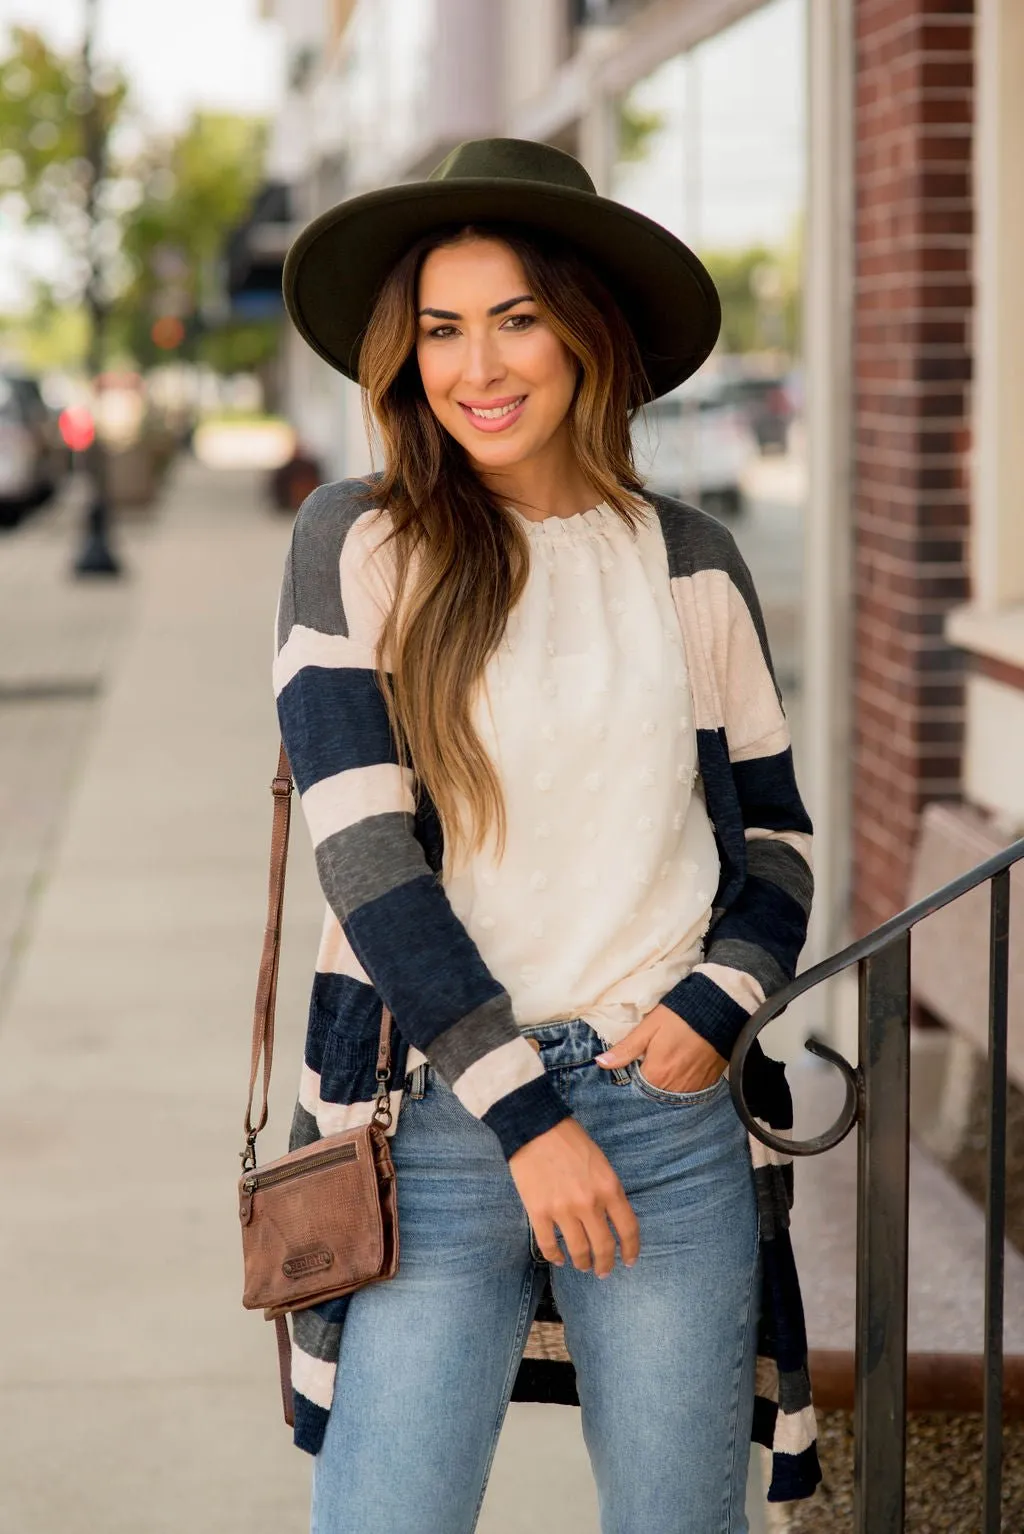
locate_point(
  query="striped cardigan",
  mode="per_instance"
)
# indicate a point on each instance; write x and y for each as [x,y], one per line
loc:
[390,933]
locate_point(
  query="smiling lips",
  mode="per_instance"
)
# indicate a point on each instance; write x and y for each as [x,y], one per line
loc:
[494,415]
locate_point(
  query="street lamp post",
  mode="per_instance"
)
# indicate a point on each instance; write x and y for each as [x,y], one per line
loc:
[95,556]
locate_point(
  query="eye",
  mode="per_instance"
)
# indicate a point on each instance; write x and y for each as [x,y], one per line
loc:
[520,321]
[442,332]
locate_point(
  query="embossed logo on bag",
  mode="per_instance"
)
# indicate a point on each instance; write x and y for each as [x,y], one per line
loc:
[309,1262]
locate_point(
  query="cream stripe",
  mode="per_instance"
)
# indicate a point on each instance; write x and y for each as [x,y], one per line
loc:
[707,707]
[499,1072]
[794,1431]
[798,840]
[332,1118]
[743,988]
[762,1155]
[313,1377]
[766,1380]
[335,956]
[308,647]
[341,801]
[772,744]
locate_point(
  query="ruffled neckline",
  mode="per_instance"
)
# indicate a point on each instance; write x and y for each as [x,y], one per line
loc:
[581,525]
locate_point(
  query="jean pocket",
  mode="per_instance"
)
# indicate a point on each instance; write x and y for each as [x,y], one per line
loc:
[682,1099]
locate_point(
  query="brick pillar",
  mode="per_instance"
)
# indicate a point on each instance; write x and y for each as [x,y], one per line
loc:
[912,370]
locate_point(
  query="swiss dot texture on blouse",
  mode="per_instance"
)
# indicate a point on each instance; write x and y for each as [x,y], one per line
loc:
[602,899]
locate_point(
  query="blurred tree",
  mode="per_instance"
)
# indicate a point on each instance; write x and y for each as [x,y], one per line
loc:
[196,187]
[635,127]
[760,289]
[163,207]
[44,169]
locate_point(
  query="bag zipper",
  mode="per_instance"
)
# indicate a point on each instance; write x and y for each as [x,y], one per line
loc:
[265,1179]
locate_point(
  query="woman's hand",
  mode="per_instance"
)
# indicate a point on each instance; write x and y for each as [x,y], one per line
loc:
[676,1059]
[565,1179]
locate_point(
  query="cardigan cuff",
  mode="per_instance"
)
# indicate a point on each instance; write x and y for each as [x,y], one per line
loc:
[708,1010]
[525,1113]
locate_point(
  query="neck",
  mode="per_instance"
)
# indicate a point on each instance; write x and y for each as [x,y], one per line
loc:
[549,484]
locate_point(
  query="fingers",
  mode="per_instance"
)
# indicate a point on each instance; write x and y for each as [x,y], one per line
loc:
[577,1242]
[632,1046]
[627,1227]
[547,1241]
[590,1237]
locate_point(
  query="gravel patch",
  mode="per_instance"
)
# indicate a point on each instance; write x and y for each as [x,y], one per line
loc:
[943,1478]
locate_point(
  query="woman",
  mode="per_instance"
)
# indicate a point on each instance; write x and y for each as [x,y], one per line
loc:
[532,719]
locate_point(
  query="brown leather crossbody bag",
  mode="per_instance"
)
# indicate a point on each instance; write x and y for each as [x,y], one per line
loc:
[321,1221]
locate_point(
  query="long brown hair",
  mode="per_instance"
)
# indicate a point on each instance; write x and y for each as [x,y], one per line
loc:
[462,557]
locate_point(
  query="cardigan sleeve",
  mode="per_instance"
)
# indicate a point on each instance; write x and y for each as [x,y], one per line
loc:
[358,804]
[754,945]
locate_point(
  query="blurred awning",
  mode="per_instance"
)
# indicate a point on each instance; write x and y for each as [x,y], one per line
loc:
[254,254]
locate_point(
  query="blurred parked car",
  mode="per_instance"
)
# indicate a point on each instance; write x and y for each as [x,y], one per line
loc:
[33,457]
[768,405]
[695,444]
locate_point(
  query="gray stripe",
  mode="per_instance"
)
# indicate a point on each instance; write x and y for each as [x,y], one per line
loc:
[756,961]
[304,1129]
[695,541]
[311,594]
[772,1201]
[794,1390]
[473,1036]
[315,1336]
[376,855]
[781,864]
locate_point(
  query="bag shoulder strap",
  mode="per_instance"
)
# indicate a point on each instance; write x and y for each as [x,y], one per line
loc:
[266,986]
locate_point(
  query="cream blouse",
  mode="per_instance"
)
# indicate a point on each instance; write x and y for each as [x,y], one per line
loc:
[602,899]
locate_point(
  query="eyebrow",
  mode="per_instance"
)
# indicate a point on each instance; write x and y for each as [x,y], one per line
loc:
[502,308]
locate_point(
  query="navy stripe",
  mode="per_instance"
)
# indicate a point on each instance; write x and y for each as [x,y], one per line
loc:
[767,917]
[310,1424]
[422,960]
[708,1010]
[546,1379]
[352,1006]
[333,718]
[767,1090]
[765,1414]
[524,1113]
[782,1294]
[768,796]
[794,1475]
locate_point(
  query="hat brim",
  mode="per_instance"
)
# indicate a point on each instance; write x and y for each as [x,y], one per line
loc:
[335,268]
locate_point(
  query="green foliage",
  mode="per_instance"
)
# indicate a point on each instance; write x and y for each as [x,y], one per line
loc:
[43,107]
[161,213]
[760,289]
[635,128]
[197,187]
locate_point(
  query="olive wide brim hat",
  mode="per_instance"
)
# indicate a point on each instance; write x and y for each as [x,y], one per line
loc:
[335,268]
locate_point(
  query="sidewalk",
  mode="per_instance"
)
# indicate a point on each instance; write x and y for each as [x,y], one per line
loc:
[59,641]
[136,1395]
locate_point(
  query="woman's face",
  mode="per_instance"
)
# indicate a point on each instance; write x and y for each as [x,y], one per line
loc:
[494,373]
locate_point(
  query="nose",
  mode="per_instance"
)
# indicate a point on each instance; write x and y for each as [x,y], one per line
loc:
[483,363]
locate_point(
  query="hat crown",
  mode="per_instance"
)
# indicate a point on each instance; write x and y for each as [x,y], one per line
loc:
[512,159]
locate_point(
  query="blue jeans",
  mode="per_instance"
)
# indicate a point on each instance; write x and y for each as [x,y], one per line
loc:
[664,1351]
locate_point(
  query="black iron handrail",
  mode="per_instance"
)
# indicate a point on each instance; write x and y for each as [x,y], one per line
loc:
[878,1102]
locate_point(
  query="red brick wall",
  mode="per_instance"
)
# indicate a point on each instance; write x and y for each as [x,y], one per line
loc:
[912,371]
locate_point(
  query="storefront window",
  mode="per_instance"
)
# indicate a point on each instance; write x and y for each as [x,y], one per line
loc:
[712,144]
